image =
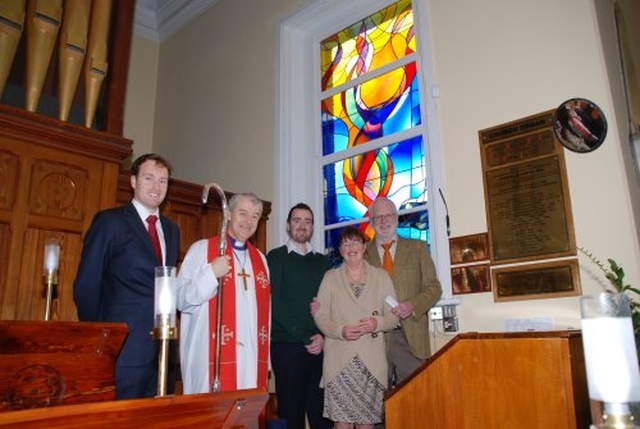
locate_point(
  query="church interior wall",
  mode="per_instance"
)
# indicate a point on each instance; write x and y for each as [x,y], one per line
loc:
[215,98]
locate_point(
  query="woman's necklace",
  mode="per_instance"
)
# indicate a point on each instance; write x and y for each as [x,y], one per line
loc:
[357,281]
[242,263]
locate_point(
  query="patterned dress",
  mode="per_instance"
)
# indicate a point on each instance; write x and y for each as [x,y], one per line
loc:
[354,372]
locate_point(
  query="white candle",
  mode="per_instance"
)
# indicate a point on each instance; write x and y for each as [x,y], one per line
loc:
[611,360]
[51,257]
[165,295]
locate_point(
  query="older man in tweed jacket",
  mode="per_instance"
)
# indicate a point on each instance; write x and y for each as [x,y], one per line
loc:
[416,285]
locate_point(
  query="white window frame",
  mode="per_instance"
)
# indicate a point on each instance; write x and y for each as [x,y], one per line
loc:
[298,137]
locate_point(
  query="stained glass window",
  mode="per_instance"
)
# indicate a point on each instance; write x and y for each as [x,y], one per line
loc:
[395,171]
[373,133]
[381,106]
[368,44]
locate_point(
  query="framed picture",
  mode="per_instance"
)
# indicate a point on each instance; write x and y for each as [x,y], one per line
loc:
[470,279]
[469,248]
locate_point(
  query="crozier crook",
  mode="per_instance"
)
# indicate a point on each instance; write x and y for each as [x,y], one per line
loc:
[222,248]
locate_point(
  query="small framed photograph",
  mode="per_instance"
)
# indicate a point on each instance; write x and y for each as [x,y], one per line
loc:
[470,279]
[469,248]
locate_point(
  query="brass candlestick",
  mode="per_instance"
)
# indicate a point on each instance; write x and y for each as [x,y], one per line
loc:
[50,277]
[164,320]
[50,281]
[163,332]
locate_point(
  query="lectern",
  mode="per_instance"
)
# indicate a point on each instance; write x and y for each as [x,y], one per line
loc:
[496,380]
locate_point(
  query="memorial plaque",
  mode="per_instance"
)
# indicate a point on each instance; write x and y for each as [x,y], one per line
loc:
[528,208]
[533,281]
[527,198]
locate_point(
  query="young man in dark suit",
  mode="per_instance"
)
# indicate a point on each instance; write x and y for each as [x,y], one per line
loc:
[115,280]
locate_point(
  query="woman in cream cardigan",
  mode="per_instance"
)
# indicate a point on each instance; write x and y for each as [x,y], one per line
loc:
[353,313]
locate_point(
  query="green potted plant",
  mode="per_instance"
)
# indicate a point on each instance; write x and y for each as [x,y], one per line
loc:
[615,274]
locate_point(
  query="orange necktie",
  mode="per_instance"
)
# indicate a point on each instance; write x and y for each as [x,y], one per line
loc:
[155,239]
[387,260]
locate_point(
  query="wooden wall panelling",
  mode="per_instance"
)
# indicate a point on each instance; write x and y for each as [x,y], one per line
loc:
[54,177]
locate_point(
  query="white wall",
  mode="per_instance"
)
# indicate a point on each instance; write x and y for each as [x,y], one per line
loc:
[499,62]
[141,95]
[494,62]
[216,96]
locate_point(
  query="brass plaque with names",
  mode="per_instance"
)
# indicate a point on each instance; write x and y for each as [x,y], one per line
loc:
[526,192]
[546,280]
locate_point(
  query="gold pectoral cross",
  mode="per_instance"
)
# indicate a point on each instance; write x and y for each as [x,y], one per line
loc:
[244,276]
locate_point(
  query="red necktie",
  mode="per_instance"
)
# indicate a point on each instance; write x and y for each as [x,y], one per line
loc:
[155,239]
[387,260]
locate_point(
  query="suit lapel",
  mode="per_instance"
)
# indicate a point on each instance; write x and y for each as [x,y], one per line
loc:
[374,256]
[169,239]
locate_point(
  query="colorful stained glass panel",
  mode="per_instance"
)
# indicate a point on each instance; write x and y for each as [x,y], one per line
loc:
[395,171]
[379,107]
[379,39]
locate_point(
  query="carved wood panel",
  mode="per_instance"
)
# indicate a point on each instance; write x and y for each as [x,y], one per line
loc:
[58,189]
[53,179]
[8,178]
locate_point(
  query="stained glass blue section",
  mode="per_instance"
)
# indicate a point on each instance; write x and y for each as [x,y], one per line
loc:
[396,171]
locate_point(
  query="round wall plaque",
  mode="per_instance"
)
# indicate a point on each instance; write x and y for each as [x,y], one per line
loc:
[580,125]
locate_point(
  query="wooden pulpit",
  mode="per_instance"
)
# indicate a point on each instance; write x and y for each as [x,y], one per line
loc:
[239,409]
[496,380]
[43,364]
[61,375]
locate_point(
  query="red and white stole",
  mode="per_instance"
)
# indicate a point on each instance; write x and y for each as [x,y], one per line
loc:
[228,361]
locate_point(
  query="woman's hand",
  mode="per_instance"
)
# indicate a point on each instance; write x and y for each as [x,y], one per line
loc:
[368,325]
[351,332]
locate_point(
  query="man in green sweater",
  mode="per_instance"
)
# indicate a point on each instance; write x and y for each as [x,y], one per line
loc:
[296,271]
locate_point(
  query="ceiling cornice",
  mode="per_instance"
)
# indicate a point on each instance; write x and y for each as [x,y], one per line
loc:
[166,17]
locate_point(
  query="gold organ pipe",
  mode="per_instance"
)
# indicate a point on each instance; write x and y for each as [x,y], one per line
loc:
[95,65]
[12,14]
[71,51]
[43,24]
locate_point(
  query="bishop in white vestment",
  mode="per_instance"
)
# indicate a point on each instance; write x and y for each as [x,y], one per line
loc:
[246,314]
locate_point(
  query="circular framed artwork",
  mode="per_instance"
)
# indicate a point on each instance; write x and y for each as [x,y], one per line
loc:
[580,125]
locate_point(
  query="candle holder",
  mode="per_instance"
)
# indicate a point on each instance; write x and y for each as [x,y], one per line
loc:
[50,277]
[613,375]
[164,320]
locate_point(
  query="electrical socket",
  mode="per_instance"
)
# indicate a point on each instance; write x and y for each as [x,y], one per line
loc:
[435,313]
